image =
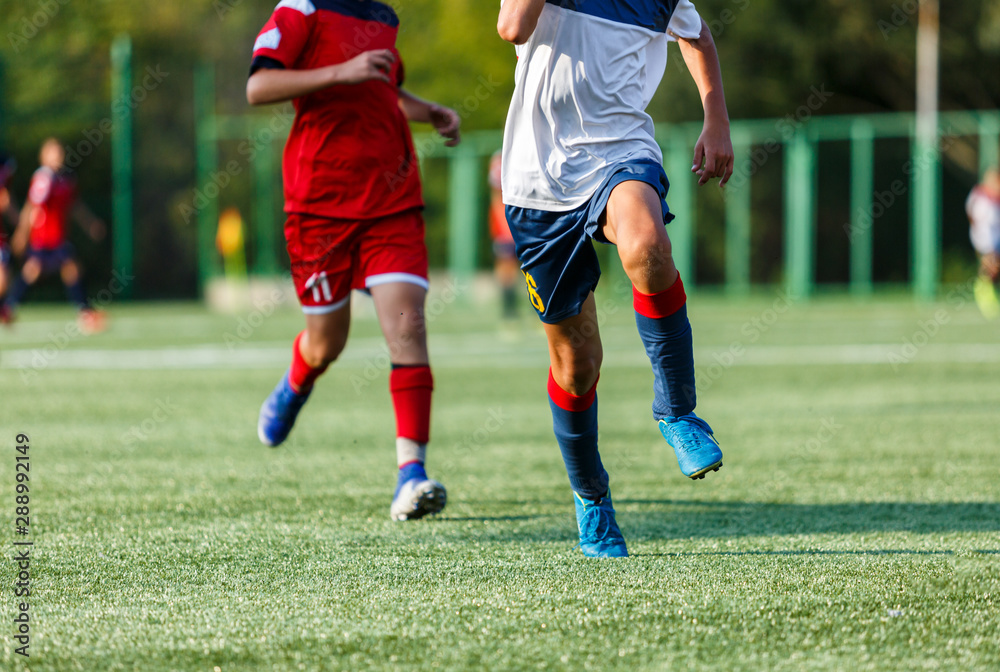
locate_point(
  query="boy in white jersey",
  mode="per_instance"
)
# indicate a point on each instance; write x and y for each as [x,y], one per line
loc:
[580,161]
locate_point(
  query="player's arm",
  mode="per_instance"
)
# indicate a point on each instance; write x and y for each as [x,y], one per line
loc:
[91,223]
[276,85]
[518,19]
[713,153]
[444,119]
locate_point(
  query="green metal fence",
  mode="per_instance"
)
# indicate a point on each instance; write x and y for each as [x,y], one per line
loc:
[799,147]
[798,143]
[123,239]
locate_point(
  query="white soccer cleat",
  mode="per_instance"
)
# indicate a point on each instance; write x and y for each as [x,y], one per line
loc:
[417,498]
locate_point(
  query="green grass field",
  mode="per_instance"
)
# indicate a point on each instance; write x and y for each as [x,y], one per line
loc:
[854,525]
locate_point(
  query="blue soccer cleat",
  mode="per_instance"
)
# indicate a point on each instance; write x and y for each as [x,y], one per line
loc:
[277,415]
[599,533]
[696,448]
[416,498]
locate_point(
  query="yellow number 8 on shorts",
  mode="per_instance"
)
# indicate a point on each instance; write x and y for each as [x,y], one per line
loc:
[536,300]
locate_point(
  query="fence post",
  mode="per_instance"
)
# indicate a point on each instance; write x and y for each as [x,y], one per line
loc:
[465,218]
[206,192]
[800,180]
[925,217]
[682,205]
[737,199]
[861,229]
[122,238]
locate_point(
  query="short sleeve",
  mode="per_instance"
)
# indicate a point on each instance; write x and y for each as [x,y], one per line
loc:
[284,36]
[685,22]
[41,187]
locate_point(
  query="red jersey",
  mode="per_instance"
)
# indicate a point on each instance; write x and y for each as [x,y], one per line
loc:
[349,153]
[52,195]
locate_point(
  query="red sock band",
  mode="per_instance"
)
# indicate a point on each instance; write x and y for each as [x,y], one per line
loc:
[411,388]
[302,376]
[661,304]
[571,402]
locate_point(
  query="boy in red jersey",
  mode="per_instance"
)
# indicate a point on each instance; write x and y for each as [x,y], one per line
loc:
[41,233]
[353,198]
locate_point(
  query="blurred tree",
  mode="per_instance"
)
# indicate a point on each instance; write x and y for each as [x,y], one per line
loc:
[773,53]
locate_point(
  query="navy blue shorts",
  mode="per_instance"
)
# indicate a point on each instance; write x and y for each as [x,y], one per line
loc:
[559,262]
[4,254]
[51,259]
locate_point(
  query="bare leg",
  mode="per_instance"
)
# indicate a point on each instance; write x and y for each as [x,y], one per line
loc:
[325,336]
[400,309]
[634,222]
[575,350]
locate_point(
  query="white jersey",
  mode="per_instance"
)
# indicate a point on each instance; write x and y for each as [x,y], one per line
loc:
[984,215]
[582,84]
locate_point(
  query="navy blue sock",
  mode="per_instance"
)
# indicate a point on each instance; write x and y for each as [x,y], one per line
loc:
[77,295]
[574,420]
[666,334]
[17,291]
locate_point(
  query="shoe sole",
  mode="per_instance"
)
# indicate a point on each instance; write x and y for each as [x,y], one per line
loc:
[698,475]
[430,500]
[605,554]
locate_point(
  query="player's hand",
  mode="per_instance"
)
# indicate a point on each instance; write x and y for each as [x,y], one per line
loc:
[446,122]
[367,66]
[713,154]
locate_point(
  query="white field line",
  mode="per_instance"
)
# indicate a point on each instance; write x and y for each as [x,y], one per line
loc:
[473,352]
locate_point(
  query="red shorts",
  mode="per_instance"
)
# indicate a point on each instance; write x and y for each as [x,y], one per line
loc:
[330,257]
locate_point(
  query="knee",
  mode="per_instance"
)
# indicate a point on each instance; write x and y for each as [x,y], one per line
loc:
[322,349]
[408,333]
[647,251]
[576,371]
[30,272]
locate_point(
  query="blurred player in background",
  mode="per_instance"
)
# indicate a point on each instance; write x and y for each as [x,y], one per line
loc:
[353,198]
[983,209]
[9,213]
[41,234]
[581,162]
[504,254]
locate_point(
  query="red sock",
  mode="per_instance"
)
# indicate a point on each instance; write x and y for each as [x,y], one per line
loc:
[302,376]
[411,388]
[662,304]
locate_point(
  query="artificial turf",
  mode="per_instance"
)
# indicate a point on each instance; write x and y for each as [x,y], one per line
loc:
[854,525]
